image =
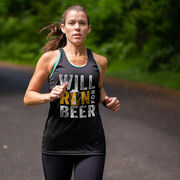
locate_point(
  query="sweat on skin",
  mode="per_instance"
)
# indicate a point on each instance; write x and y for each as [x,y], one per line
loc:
[77,103]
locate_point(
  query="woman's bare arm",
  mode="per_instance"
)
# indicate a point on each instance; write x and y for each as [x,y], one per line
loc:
[41,74]
[111,102]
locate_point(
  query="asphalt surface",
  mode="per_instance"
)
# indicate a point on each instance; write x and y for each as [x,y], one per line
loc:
[143,138]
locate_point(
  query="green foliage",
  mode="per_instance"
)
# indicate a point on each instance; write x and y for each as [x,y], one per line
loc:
[140,34]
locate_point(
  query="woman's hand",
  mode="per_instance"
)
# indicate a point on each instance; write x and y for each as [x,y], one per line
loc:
[58,92]
[112,103]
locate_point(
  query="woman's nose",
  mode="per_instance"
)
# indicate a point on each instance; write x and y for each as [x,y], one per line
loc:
[77,26]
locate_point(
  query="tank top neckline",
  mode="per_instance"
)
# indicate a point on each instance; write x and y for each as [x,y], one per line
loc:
[70,63]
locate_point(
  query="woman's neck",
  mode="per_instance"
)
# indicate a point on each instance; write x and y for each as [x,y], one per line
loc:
[75,50]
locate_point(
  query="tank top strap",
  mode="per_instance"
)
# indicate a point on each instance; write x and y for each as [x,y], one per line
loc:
[56,63]
[90,55]
[61,50]
[91,58]
[63,57]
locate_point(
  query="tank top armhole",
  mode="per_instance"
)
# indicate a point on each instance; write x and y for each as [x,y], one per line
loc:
[97,65]
[96,62]
[54,67]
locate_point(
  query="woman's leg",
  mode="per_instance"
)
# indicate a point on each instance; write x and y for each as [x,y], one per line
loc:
[89,167]
[57,167]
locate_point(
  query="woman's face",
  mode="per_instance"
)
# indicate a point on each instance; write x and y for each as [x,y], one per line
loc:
[76,27]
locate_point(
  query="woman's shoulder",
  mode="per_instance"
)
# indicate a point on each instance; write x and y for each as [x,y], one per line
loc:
[49,58]
[50,55]
[101,60]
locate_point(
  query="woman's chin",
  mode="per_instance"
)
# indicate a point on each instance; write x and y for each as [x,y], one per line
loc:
[77,42]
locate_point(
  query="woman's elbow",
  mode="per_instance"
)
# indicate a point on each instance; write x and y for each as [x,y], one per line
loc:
[27,99]
[26,102]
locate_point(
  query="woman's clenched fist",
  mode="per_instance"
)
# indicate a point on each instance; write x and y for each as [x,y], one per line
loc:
[58,92]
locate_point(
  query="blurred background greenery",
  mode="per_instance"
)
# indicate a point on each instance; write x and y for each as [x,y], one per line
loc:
[140,38]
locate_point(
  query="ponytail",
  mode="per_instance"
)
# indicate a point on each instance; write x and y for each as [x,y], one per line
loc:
[56,38]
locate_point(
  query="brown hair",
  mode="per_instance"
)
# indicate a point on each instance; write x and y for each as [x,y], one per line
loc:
[60,38]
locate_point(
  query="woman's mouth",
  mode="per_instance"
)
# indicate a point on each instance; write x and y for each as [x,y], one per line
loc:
[76,35]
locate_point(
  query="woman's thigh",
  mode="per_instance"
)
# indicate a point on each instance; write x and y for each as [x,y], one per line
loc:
[89,167]
[57,167]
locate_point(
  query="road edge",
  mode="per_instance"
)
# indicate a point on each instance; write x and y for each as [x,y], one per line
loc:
[112,81]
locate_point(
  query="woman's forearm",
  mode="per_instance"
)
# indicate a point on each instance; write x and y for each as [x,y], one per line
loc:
[102,95]
[36,98]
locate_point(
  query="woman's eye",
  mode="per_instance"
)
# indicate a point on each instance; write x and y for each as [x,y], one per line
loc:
[83,23]
[80,23]
[71,23]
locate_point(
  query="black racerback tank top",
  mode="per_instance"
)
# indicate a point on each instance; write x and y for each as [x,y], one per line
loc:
[74,125]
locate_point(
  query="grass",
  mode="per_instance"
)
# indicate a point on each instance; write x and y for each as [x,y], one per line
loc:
[20,62]
[133,70]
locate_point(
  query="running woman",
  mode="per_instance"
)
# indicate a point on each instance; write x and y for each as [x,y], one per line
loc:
[73,136]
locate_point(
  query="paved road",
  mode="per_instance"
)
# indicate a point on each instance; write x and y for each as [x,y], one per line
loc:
[143,139]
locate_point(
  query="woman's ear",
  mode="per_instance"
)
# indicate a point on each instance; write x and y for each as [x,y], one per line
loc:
[62,28]
[89,28]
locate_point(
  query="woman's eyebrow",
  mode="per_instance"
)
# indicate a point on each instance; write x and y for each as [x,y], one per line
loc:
[71,19]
